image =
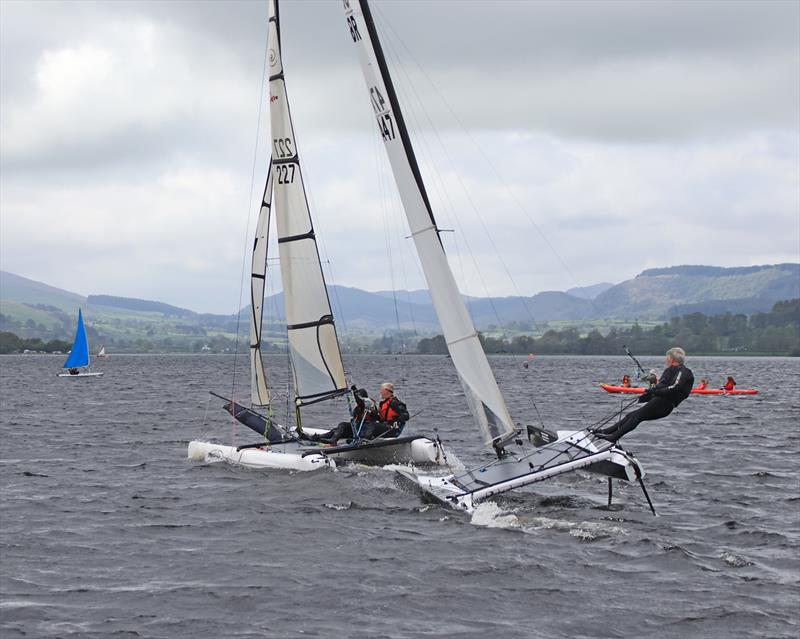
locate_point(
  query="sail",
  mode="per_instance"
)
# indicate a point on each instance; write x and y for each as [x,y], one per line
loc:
[313,344]
[483,396]
[251,419]
[101,352]
[79,355]
[259,393]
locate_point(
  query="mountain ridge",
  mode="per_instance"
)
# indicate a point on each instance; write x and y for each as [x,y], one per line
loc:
[654,294]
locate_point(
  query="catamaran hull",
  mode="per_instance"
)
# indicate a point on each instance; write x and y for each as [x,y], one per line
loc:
[274,457]
[512,473]
[81,375]
[407,450]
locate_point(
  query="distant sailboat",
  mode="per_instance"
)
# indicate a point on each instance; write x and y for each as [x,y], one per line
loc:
[79,355]
[102,353]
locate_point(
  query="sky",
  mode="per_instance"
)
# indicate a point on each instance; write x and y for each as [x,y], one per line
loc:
[563,143]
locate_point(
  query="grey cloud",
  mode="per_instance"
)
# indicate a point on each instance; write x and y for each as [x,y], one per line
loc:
[590,111]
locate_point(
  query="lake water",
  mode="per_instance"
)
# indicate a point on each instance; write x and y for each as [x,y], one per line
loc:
[107,530]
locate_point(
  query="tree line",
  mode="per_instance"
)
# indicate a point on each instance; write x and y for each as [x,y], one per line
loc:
[10,343]
[776,332]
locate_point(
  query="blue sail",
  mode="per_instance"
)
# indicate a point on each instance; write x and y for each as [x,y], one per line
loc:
[79,356]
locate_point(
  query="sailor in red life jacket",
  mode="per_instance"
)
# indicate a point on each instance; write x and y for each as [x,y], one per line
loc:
[729,384]
[626,381]
[702,385]
[392,414]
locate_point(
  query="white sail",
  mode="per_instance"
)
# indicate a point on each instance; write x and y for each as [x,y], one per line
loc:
[259,393]
[313,345]
[483,395]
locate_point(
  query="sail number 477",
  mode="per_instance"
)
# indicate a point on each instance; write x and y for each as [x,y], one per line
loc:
[382,114]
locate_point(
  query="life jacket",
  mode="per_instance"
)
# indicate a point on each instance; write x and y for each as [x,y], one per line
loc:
[701,386]
[386,411]
[729,385]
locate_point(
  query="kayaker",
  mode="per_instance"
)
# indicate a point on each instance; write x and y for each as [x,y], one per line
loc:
[702,385]
[729,384]
[626,381]
[673,387]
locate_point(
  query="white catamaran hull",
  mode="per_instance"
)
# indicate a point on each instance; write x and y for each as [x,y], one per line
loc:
[294,456]
[81,375]
[466,490]
[273,457]
[419,451]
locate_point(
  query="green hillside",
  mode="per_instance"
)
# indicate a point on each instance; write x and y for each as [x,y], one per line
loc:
[31,309]
[661,293]
[21,289]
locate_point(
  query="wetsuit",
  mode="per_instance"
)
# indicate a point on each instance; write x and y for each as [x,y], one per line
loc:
[673,387]
[364,409]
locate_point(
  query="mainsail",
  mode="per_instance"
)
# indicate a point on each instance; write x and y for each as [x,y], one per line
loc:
[313,345]
[483,395]
[259,393]
[79,355]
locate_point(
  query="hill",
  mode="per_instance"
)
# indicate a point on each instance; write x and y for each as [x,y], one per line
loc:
[663,292]
[589,292]
[34,309]
[133,304]
[26,291]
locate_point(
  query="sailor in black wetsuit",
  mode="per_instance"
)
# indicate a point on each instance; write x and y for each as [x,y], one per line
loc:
[674,386]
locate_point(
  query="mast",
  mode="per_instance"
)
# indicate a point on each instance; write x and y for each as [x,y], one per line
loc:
[313,343]
[480,387]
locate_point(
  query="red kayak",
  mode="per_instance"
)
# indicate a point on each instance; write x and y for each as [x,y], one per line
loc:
[638,390]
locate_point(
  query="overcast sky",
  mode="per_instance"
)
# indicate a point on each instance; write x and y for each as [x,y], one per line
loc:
[566,143]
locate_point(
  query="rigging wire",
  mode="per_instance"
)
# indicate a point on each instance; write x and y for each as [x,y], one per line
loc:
[247,242]
[389,213]
[494,169]
[466,191]
[427,157]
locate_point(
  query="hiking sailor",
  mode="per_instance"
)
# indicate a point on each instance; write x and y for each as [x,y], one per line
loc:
[364,412]
[673,387]
[370,421]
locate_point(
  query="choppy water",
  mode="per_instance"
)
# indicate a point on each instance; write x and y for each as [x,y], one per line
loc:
[108,531]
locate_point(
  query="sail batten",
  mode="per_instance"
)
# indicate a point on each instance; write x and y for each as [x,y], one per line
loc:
[313,344]
[480,387]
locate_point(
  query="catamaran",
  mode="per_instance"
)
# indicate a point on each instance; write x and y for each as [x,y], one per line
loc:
[79,354]
[316,362]
[517,462]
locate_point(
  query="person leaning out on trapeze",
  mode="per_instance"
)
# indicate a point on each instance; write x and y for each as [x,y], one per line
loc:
[673,387]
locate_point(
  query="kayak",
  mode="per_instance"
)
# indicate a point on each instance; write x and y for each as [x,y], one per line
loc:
[638,390]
